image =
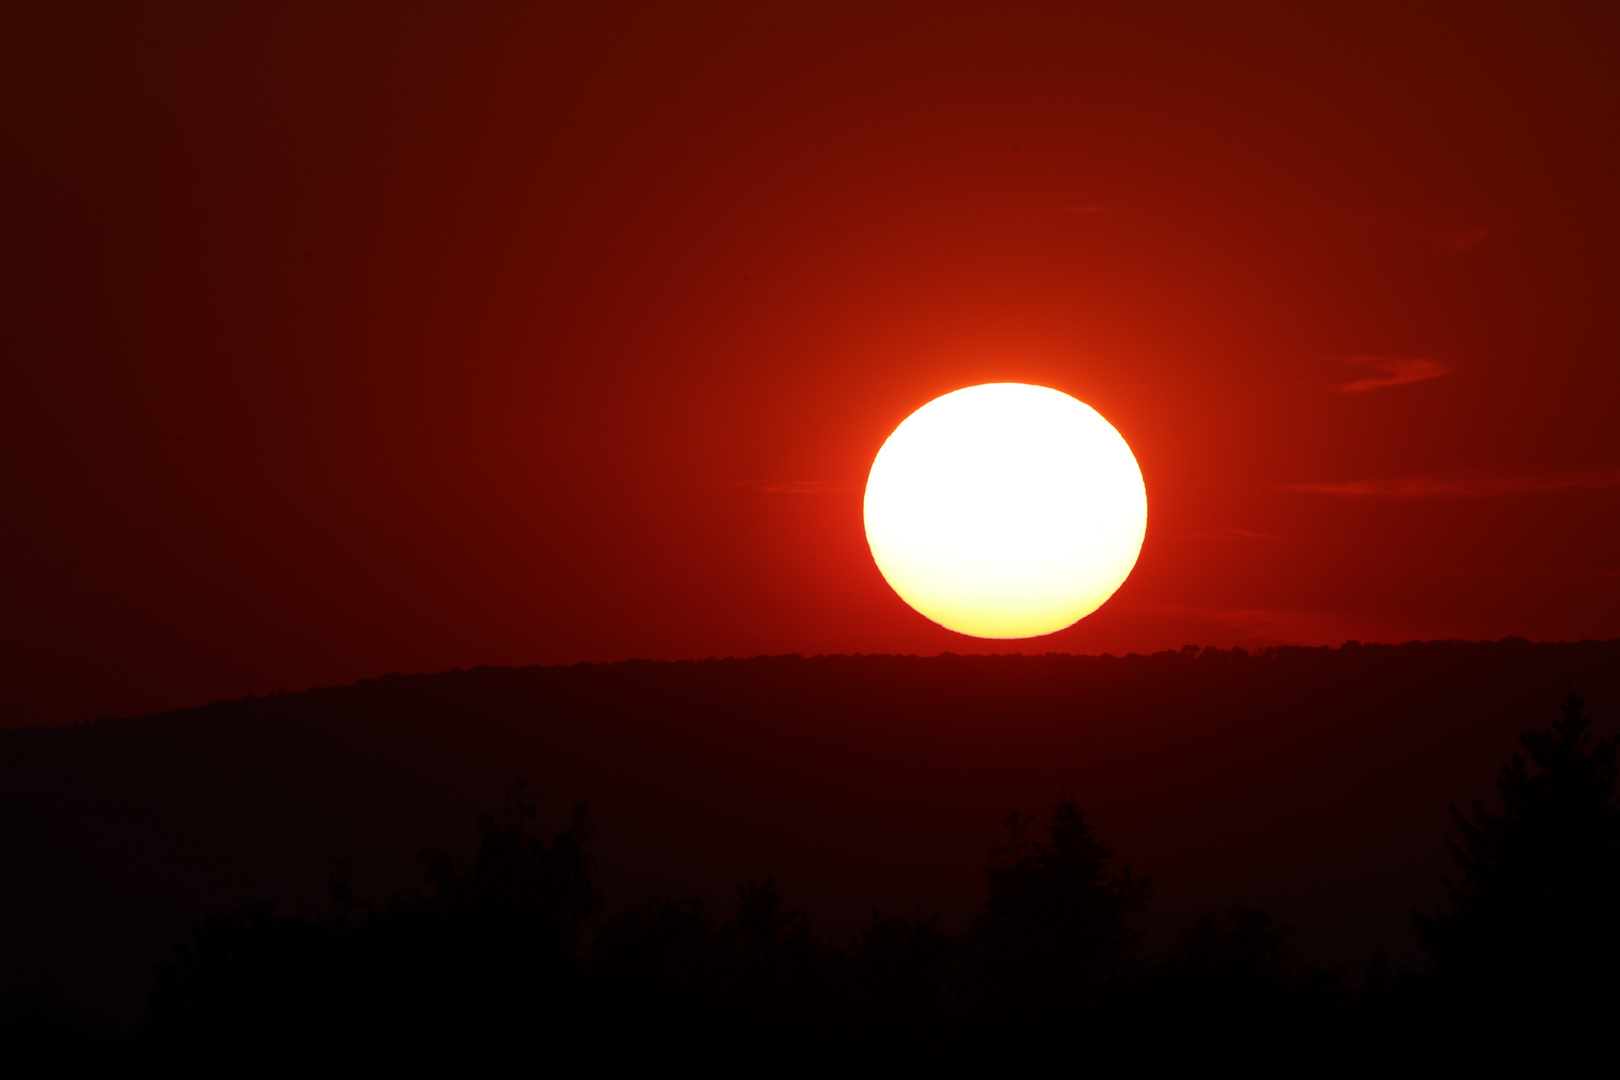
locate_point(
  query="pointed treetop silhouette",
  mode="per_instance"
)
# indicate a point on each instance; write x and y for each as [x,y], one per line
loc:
[1533,923]
[1055,924]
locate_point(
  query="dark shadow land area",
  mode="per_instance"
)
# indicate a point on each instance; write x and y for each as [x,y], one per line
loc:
[485,970]
[513,961]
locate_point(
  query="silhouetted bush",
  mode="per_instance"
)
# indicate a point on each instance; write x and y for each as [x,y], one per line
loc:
[478,972]
[1227,994]
[659,985]
[41,1036]
[667,980]
[907,980]
[484,971]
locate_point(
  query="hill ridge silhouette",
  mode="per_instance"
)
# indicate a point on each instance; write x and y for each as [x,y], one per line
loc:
[1313,782]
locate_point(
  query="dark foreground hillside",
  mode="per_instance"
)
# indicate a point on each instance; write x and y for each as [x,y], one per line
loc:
[1312,783]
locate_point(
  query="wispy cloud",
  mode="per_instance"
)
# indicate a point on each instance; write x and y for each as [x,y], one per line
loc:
[792,487]
[1392,371]
[1456,236]
[1465,484]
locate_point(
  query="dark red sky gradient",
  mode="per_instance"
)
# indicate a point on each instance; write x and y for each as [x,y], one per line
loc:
[345,339]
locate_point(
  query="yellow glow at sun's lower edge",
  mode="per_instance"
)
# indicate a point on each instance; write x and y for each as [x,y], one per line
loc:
[1005,510]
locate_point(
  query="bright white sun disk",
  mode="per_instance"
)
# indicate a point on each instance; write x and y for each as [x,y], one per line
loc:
[1005,510]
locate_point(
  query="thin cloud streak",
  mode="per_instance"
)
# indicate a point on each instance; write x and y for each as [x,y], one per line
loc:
[1456,237]
[1465,484]
[1395,371]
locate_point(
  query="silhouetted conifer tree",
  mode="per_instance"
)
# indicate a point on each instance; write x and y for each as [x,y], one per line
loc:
[1049,945]
[1057,912]
[1528,946]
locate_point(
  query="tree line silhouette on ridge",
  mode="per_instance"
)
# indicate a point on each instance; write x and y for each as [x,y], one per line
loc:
[508,965]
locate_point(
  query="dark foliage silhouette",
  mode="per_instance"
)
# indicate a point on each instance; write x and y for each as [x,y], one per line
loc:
[501,966]
[1055,929]
[1236,1000]
[484,960]
[1526,952]
[666,979]
[907,987]
[659,984]
[42,1037]
[121,833]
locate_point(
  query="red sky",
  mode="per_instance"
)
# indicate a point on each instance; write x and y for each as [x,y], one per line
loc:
[345,339]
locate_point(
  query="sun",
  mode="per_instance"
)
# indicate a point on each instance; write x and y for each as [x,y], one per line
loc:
[1005,510]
